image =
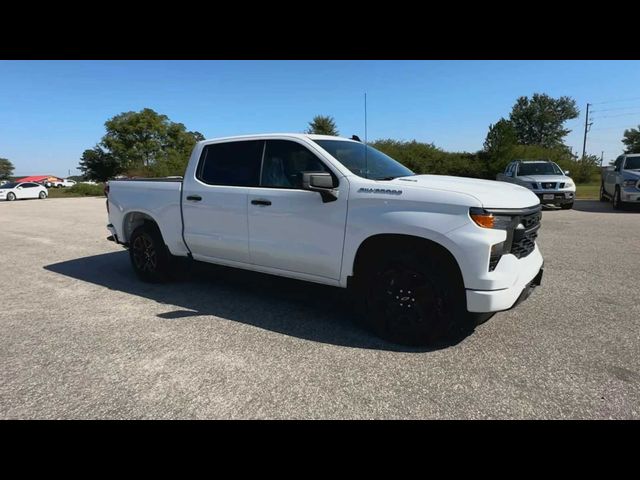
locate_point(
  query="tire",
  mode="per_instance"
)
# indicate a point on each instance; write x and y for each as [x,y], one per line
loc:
[149,255]
[42,195]
[414,298]
[603,197]
[617,203]
[11,197]
[566,206]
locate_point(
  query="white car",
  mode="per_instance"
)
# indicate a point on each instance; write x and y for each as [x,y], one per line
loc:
[419,251]
[545,178]
[17,191]
[61,183]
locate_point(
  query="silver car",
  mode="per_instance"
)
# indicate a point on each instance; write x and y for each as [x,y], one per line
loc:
[545,178]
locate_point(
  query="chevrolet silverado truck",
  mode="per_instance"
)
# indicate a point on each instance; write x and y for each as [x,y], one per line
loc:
[621,182]
[544,178]
[422,253]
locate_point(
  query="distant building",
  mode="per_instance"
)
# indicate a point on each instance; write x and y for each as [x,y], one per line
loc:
[40,179]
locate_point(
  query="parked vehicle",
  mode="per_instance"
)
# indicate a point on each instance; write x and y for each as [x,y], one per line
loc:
[544,178]
[421,252]
[621,181]
[60,183]
[18,191]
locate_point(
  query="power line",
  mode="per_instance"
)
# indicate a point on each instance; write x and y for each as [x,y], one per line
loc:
[617,101]
[620,115]
[616,108]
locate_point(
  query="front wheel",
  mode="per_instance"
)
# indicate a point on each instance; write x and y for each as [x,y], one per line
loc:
[566,206]
[11,196]
[617,203]
[149,255]
[413,300]
[603,197]
[42,195]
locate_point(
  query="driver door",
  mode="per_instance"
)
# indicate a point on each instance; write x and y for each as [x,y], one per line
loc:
[290,228]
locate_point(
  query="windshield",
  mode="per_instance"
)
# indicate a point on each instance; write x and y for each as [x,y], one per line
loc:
[376,165]
[546,168]
[632,163]
[9,185]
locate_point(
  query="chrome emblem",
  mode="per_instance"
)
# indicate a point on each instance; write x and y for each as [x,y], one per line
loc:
[384,191]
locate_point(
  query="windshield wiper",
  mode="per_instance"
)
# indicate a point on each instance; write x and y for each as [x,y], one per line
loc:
[394,177]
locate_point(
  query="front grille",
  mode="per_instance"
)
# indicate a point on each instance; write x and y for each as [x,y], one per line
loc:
[561,185]
[548,185]
[524,238]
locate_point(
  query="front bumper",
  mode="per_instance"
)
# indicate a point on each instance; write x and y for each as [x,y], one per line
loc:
[114,235]
[483,301]
[559,198]
[630,195]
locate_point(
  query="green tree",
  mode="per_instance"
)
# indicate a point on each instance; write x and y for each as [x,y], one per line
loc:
[540,120]
[323,125]
[500,140]
[98,165]
[631,139]
[502,135]
[6,169]
[143,143]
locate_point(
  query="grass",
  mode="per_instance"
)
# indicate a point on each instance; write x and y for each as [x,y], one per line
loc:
[88,191]
[588,191]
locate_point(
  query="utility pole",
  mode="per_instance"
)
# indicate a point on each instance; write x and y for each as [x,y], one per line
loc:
[586,125]
[601,157]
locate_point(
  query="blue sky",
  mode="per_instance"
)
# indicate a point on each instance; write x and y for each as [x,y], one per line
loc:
[50,111]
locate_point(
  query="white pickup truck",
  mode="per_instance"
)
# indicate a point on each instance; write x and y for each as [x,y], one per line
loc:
[421,252]
[621,182]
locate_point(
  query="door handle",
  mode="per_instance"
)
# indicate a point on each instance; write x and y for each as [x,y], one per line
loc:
[261,202]
[194,198]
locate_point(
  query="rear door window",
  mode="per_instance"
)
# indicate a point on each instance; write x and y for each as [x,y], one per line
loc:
[231,163]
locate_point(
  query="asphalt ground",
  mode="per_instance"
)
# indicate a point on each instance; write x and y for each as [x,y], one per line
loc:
[82,337]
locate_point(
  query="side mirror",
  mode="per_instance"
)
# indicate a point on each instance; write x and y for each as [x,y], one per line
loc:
[566,172]
[509,174]
[321,182]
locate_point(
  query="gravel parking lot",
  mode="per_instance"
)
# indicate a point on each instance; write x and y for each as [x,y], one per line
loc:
[81,337]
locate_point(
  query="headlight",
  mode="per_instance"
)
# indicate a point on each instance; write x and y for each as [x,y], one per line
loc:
[629,183]
[488,220]
[568,185]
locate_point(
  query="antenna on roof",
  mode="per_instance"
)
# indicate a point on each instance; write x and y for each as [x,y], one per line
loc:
[356,138]
[366,169]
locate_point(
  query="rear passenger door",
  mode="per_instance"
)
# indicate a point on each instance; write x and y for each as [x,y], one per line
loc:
[214,204]
[29,190]
[290,228]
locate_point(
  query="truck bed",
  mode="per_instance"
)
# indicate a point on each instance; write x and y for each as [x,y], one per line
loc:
[131,199]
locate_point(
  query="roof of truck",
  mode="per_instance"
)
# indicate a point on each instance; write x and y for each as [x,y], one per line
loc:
[284,134]
[534,161]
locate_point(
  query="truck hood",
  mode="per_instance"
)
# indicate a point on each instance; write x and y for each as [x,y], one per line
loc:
[631,173]
[489,193]
[544,178]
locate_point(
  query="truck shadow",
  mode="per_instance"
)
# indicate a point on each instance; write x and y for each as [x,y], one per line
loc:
[596,206]
[300,309]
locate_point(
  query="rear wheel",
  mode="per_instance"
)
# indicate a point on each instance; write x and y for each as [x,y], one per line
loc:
[149,255]
[414,299]
[11,196]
